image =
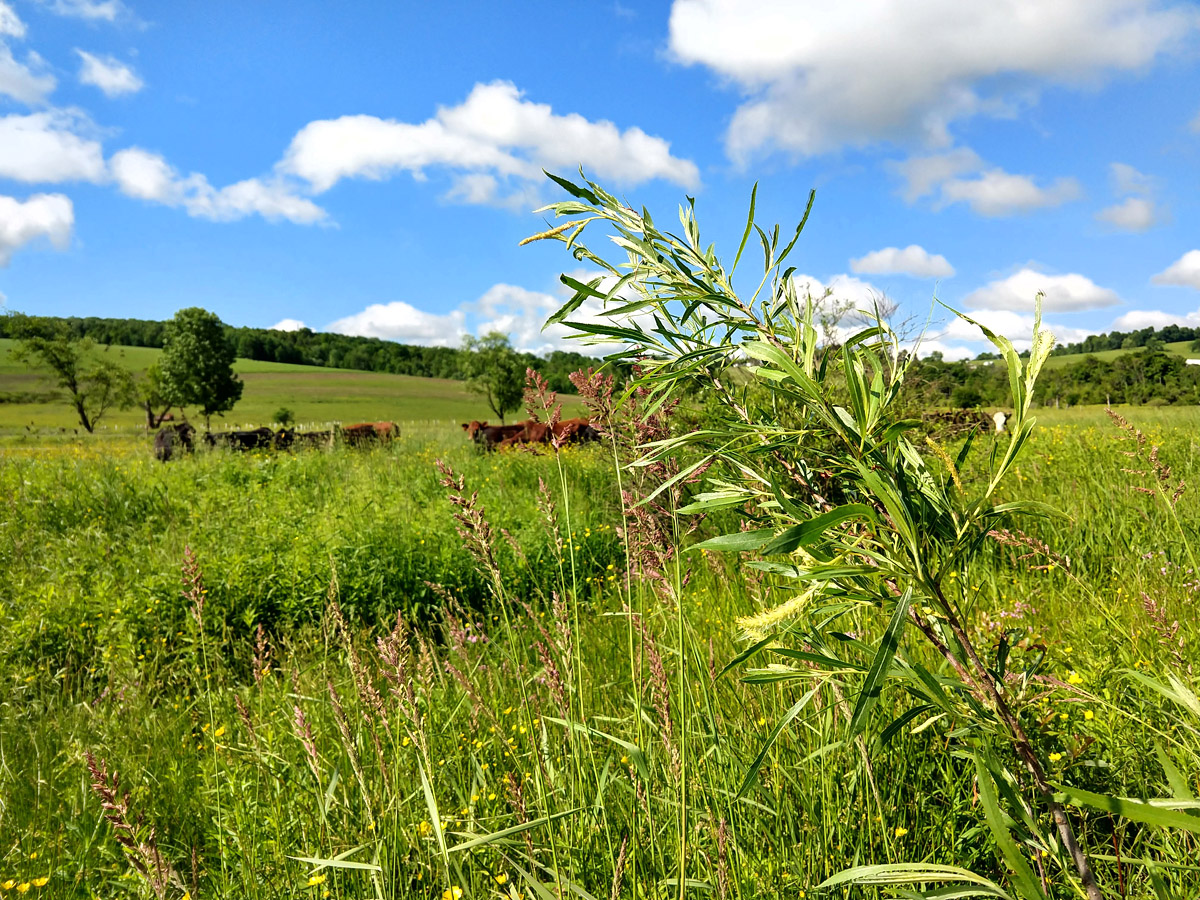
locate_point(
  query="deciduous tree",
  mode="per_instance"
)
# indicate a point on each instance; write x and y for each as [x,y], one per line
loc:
[494,371]
[95,382]
[197,364]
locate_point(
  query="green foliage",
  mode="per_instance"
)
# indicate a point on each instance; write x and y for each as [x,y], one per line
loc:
[494,372]
[867,526]
[284,416]
[94,382]
[197,363]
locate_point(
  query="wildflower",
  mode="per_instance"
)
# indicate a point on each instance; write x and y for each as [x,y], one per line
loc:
[8,885]
[452,893]
[1088,715]
[1074,678]
[424,828]
[901,832]
[501,878]
[220,731]
[23,887]
[314,880]
[1063,716]
[40,882]
[1055,757]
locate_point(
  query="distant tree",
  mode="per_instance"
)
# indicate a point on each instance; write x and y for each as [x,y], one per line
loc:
[94,383]
[284,416]
[966,397]
[197,364]
[494,371]
[1195,345]
[152,396]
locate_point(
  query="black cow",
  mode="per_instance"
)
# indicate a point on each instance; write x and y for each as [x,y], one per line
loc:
[167,439]
[240,440]
[284,438]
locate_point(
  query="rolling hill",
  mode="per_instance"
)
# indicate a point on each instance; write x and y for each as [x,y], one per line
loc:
[316,396]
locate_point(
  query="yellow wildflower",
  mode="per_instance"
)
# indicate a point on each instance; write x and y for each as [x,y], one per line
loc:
[501,878]
[8,885]
[1055,757]
[220,731]
[314,880]
[23,887]
[901,832]
[40,882]
[452,893]
[1074,678]
[1089,715]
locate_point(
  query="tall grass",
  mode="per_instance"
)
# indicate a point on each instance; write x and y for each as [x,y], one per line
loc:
[536,739]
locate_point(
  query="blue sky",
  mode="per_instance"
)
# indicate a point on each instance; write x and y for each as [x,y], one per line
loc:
[370,167]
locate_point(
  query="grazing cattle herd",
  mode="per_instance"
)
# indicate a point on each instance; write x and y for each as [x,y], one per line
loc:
[175,439]
[502,437]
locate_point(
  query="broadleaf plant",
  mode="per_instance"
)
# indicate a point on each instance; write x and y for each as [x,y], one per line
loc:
[862,529]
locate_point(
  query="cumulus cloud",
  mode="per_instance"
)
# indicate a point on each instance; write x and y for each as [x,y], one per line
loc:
[1184,272]
[109,74]
[147,176]
[288,325]
[819,79]
[1063,293]
[913,260]
[90,10]
[1016,327]
[48,216]
[400,321]
[950,352]
[1137,319]
[1138,211]
[1131,214]
[45,147]
[998,193]
[494,146]
[990,191]
[24,82]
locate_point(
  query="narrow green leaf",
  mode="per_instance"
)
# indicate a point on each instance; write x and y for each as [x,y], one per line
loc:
[740,541]
[480,840]
[809,532]
[1137,810]
[1027,884]
[909,873]
[873,684]
[797,708]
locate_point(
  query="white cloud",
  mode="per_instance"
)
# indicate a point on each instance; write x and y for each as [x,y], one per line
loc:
[1064,293]
[924,174]
[10,23]
[1137,319]
[44,147]
[91,10]
[43,215]
[288,325]
[913,260]
[109,74]
[999,193]
[399,321]
[950,352]
[1131,214]
[1138,211]
[147,176]
[822,76]
[23,82]
[861,294]
[494,145]
[1185,271]
[1016,327]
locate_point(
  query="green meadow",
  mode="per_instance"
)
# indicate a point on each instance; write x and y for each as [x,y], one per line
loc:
[314,681]
[317,396]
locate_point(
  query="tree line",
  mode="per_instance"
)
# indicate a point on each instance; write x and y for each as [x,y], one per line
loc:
[320,348]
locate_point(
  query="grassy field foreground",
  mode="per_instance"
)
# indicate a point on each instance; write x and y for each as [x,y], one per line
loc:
[536,723]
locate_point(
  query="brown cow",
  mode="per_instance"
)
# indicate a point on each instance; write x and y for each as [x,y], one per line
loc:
[369,432]
[488,436]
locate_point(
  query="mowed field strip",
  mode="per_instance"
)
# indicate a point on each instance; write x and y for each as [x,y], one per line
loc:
[314,394]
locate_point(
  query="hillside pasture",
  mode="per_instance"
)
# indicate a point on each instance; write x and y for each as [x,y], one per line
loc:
[316,396]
